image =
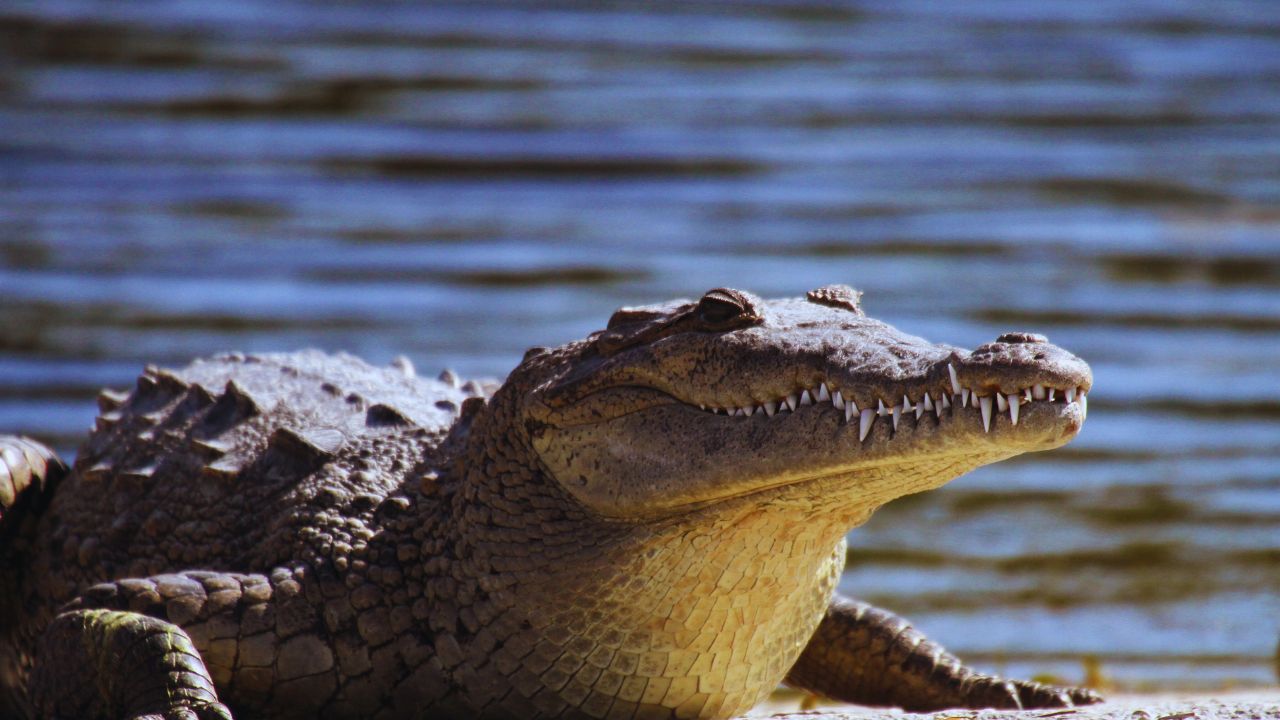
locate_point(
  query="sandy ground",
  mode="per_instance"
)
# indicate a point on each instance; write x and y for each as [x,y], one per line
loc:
[1252,705]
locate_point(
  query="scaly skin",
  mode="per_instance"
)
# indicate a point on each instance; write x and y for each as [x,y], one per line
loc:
[306,536]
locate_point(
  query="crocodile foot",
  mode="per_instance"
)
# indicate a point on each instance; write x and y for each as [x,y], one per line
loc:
[1034,695]
[869,656]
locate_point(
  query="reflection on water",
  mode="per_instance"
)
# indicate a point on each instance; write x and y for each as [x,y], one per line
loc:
[458,183]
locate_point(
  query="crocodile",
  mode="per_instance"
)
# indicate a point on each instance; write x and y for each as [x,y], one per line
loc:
[646,523]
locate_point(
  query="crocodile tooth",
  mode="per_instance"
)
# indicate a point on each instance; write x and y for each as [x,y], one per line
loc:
[850,409]
[955,380]
[837,399]
[964,398]
[792,401]
[823,393]
[805,399]
[1084,406]
[1001,403]
[1013,409]
[865,420]
[897,415]
[881,410]
[1027,394]
[701,406]
[928,402]
[741,412]
[946,401]
[1071,395]
[986,413]
[770,408]
[937,407]
[919,410]
[1052,392]
[1037,391]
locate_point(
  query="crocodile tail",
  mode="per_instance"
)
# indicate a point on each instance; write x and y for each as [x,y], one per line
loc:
[29,472]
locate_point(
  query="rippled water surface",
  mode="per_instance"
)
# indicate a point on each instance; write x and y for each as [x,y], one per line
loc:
[459,182]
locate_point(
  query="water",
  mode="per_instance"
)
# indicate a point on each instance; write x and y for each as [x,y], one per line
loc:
[459,182]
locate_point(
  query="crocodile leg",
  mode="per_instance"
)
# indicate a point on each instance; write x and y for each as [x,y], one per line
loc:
[119,664]
[158,647]
[862,654]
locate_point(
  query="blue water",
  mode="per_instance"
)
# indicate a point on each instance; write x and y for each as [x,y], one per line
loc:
[457,182]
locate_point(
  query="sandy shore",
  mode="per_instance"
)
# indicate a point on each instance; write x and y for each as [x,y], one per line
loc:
[1252,705]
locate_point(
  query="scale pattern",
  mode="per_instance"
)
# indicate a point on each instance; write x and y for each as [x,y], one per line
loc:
[306,535]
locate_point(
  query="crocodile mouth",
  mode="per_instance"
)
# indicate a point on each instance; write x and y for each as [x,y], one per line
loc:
[942,402]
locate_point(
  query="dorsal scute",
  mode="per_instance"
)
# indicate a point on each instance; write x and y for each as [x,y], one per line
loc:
[220,462]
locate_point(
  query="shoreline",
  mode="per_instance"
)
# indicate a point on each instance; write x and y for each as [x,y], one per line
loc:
[1255,704]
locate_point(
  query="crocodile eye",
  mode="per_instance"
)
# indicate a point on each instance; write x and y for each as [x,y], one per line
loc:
[718,307]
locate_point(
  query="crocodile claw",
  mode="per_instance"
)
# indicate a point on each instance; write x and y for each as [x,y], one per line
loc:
[1034,695]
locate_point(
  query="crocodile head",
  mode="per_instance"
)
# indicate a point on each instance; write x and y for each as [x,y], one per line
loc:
[678,406]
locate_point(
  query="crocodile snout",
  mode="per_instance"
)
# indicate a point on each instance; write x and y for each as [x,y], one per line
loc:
[1018,359]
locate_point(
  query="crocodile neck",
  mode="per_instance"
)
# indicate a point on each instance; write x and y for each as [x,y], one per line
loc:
[724,595]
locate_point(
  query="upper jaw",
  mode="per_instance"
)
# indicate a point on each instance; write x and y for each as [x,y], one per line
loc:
[1001,377]
[879,373]
[911,401]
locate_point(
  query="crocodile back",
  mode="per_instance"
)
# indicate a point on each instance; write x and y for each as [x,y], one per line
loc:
[236,463]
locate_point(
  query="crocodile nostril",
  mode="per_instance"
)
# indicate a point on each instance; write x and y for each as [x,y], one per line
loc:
[1022,337]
